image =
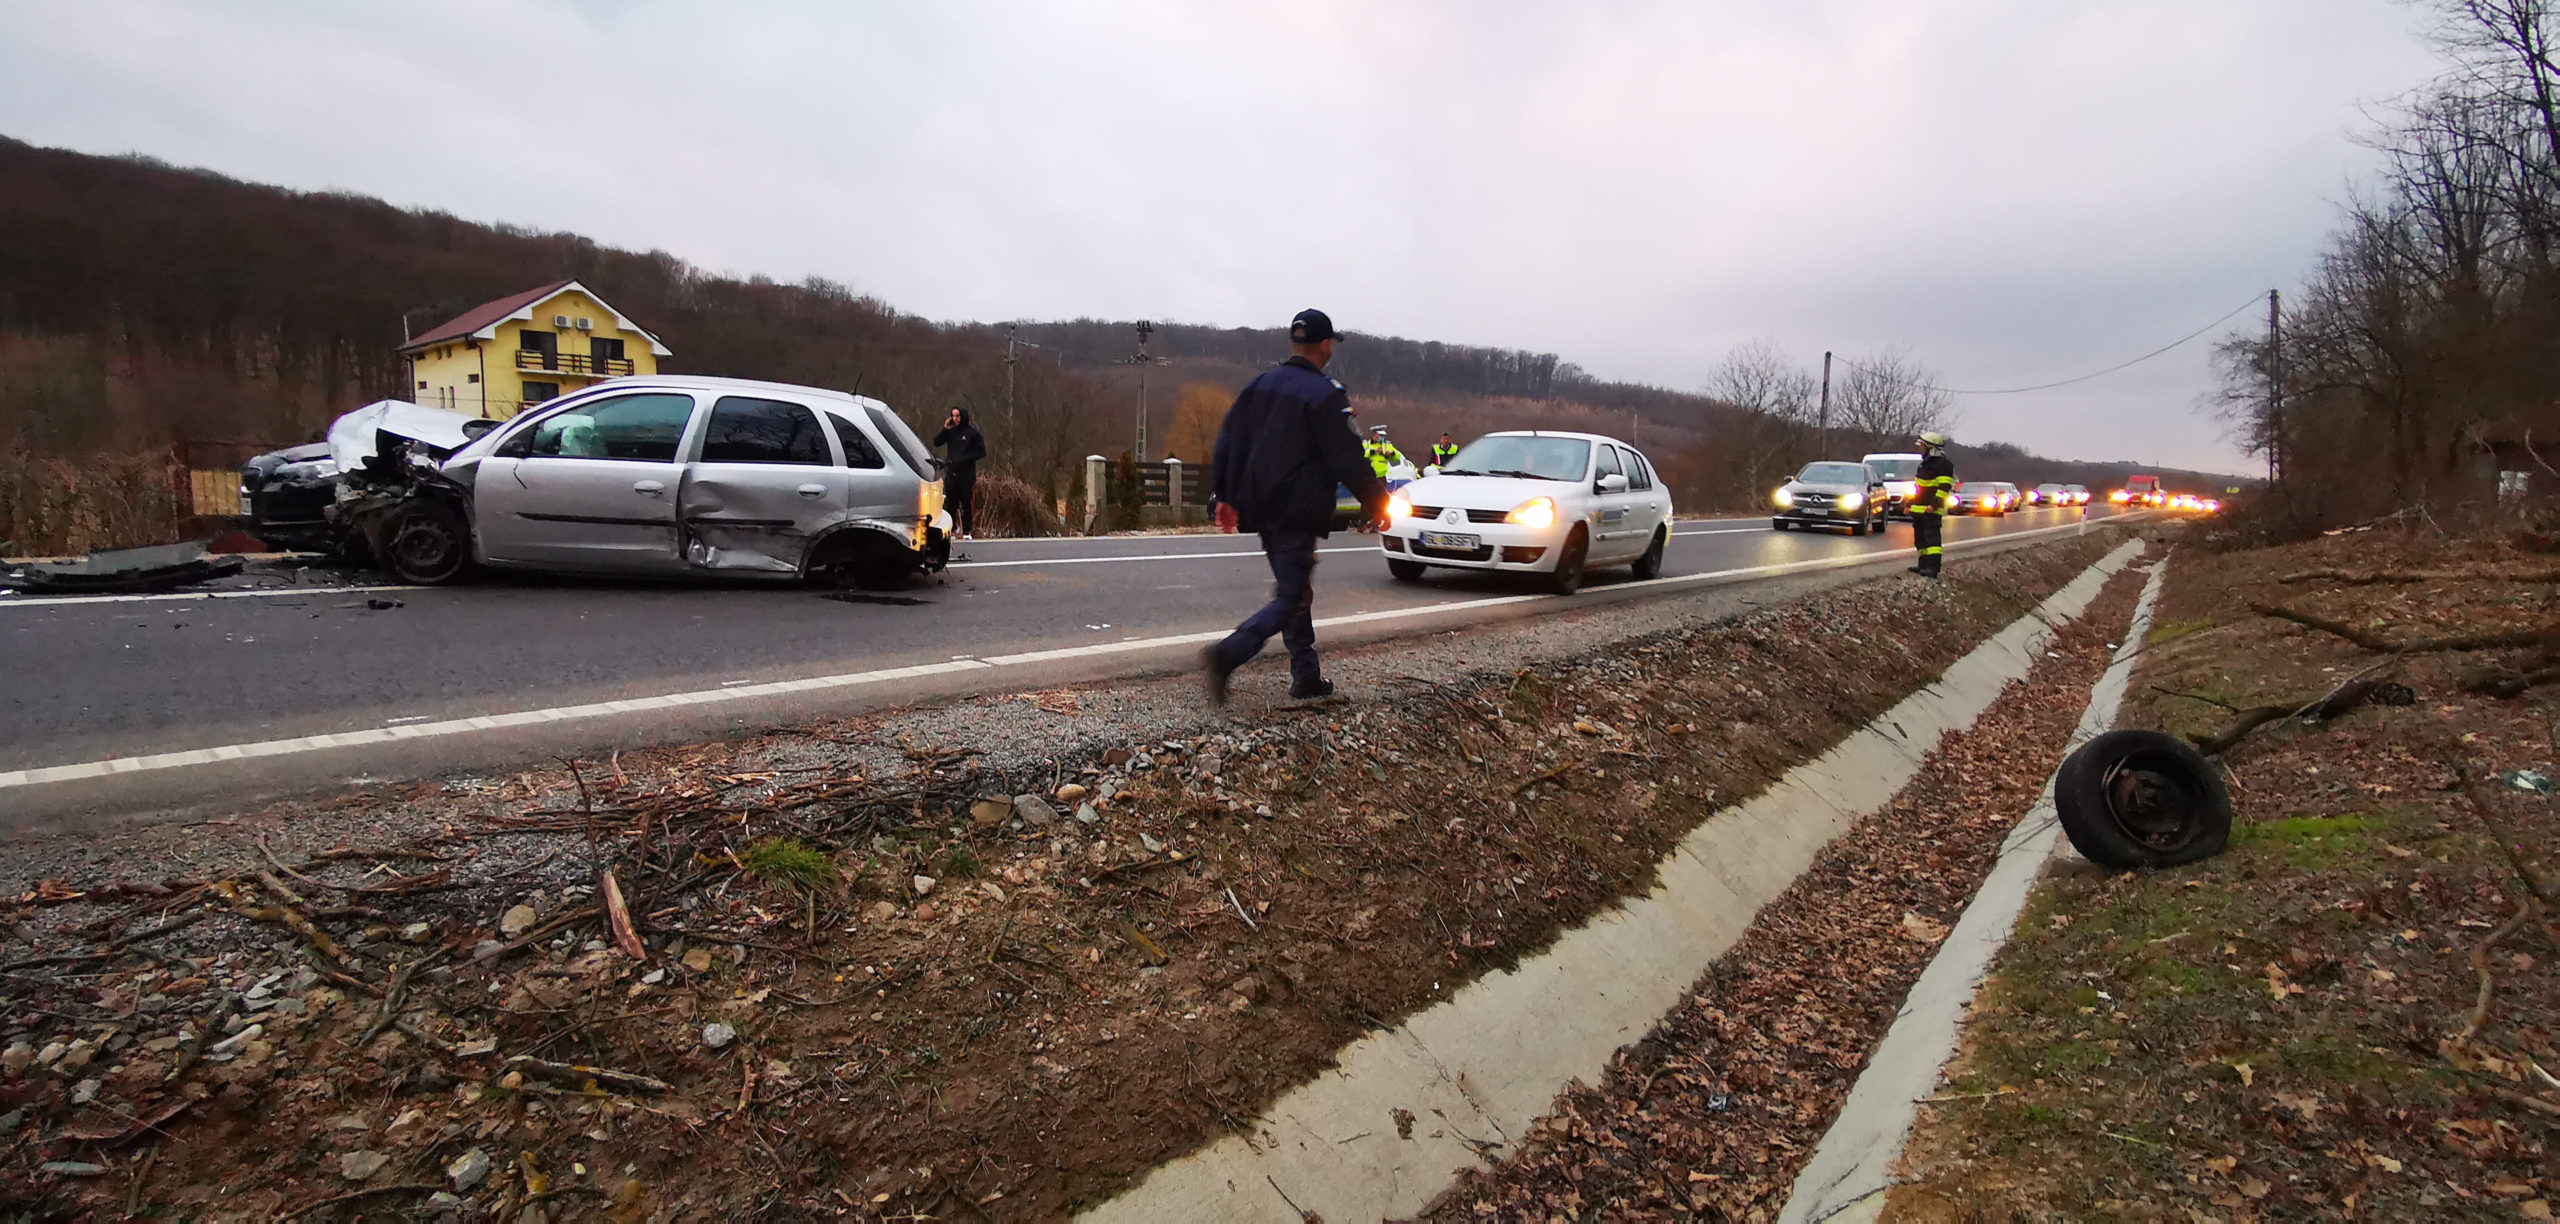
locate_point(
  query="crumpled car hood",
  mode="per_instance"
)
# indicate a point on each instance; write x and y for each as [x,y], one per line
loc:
[352,437]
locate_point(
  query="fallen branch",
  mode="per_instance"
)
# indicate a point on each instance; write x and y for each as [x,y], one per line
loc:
[357,1196]
[2425,645]
[2211,701]
[2351,692]
[574,1076]
[2388,578]
[2480,964]
[193,1050]
[617,916]
[1549,776]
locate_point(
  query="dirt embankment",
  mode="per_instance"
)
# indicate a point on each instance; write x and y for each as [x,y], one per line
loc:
[881,995]
[2350,1013]
[1714,1114]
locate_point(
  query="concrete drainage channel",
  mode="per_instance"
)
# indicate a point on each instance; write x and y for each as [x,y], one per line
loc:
[1479,1068]
[1853,1168]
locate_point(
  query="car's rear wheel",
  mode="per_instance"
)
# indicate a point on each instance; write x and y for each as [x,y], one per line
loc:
[1649,566]
[428,544]
[1567,577]
[1403,570]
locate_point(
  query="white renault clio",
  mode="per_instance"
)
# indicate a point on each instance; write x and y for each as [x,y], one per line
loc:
[1555,504]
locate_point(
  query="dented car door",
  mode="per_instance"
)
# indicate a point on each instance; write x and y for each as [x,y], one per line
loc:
[765,481]
[588,487]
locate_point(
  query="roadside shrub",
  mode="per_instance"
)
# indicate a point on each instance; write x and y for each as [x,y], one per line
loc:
[1010,507]
[96,501]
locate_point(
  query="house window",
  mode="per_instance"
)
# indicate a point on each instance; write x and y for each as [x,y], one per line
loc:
[422,385]
[471,378]
[543,342]
[604,350]
[536,392]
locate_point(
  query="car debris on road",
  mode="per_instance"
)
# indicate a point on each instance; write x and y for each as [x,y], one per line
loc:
[127,571]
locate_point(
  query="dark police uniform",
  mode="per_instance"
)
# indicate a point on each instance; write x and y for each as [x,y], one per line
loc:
[1285,445]
[1936,483]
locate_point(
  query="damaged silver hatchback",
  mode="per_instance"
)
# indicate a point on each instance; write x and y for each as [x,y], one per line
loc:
[660,476]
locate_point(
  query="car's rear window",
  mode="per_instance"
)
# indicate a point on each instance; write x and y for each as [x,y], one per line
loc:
[902,439]
[1895,469]
[1833,473]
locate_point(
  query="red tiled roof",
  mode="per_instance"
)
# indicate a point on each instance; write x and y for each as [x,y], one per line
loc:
[484,314]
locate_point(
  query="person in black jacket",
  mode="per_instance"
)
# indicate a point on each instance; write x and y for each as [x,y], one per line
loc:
[1286,444]
[963,447]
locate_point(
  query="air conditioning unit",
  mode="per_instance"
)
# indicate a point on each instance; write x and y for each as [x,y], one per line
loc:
[586,325]
[559,320]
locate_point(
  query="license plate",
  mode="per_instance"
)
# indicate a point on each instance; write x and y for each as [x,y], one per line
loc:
[1451,539]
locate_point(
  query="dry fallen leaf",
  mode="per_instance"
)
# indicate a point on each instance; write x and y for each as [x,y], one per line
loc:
[1922,929]
[2253,1188]
[2248,1074]
[2534,1209]
[2222,1164]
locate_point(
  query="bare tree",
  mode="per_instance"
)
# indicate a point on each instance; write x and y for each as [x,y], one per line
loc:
[1887,395]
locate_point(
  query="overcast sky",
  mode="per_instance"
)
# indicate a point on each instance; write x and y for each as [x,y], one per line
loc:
[2019,190]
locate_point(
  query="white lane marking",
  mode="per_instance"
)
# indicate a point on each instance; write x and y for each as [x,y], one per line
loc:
[64,601]
[779,688]
[961,565]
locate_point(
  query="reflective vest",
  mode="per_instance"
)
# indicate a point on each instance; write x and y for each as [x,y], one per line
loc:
[1441,455]
[1935,484]
[1382,455]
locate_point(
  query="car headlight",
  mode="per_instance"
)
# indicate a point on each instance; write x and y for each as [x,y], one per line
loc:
[1535,512]
[1398,507]
[1783,497]
[1851,501]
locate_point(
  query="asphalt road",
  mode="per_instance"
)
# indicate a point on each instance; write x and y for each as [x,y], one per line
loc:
[99,688]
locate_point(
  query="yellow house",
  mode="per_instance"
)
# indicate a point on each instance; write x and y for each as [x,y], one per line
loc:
[495,358]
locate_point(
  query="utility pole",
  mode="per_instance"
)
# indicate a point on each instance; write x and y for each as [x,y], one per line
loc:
[1823,426]
[1008,379]
[2275,388]
[1145,329]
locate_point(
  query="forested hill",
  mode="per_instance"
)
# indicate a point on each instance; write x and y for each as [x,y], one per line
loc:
[143,305]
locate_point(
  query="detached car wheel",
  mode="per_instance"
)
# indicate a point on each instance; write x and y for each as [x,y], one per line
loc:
[428,544]
[1403,570]
[1649,566]
[2141,800]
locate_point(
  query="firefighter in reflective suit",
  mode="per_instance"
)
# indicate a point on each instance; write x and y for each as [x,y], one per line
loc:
[1937,483]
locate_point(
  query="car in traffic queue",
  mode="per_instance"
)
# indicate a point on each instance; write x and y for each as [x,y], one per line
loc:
[2050,493]
[1993,497]
[1555,505]
[1830,493]
[660,476]
[1900,472]
[2078,493]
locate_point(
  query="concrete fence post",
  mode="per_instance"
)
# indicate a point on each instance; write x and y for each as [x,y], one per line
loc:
[1173,482]
[1097,477]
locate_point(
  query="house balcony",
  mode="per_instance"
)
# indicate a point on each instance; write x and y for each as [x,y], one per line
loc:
[579,365]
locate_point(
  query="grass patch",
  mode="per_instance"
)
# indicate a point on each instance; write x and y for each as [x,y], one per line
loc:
[2313,843]
[958,863]
[790,862]
[2170,631]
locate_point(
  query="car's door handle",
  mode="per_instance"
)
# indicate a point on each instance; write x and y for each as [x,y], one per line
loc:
[813,490]
[648,488]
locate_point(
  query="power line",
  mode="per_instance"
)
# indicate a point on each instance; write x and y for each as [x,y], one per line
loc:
[2254,299]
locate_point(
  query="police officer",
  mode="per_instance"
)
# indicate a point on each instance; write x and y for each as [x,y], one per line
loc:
[1443,451]
[1285,445]
[1381,453]
[1934,485]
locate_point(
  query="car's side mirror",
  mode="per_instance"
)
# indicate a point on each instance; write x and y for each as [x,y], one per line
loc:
[1611,483]
[477,426]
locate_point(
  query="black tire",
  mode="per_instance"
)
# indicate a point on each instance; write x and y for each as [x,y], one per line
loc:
[2142,800]
[1404,570]
[1649,566]
[1567,576]
[428,544]
[1777,524]
[1865,524]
